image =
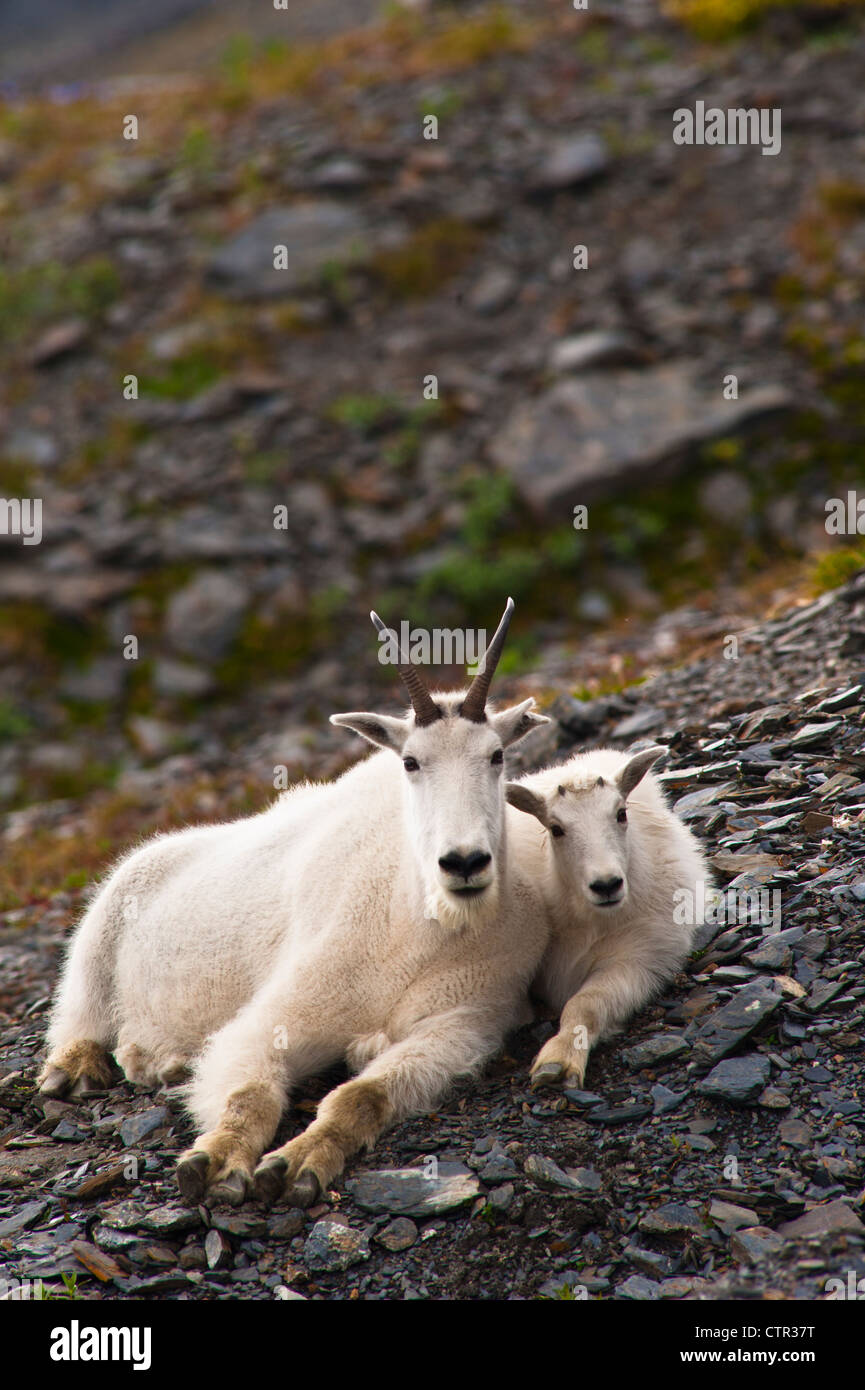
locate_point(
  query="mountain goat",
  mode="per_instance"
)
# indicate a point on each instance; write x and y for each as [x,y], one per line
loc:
[377,919]
[610,858]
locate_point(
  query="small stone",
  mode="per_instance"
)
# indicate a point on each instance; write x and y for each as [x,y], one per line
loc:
[639,1288]
[331,1247]
[570,160]
[241,1224]
[673,1219]
[649,1261]
[203,618]
[546,1173]
[399,1234]
[172,1219]
[493,291]
[193,1257]
[811,734]
[618,1114]
[501,1198]
[754,1243]
[411,1192]
[286,1224]
[729,1218]
[735,1021]
[26,1216]
[664,1100]
[217,1249]
[831,1218]
[656,1051]
[774,1099]
[737,1079]
[822,993]
[136,1128]
[102,1266]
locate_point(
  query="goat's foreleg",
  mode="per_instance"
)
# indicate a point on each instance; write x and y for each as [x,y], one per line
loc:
[237,1095]
[407,1078]
[609,995]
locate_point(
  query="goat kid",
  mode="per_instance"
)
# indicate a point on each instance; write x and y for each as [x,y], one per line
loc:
[377,919]
[610,858]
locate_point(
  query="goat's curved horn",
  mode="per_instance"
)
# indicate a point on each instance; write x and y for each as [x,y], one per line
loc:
[475,701]
[426,711]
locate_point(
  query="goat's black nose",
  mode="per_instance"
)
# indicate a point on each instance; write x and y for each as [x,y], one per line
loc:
[464,864]
[606,887]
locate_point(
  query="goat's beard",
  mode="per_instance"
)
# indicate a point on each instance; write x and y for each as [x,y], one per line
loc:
[457,911]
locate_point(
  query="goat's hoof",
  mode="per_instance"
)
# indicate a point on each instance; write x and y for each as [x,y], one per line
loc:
[55,1083]
[233,1188]
[192,1177]
[305,1189]
[85,1087]
[547,1074]
[269,1179]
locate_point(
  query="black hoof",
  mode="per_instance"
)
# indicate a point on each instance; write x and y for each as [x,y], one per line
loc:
[548,1074]
[269,1180]
[55,1084]
[233,1188]
[305,1190]
[192,1177]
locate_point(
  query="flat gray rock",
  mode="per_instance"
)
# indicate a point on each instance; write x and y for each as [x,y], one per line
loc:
[737,1079]
[409,1192]
[734,1022]
[831,1218]
[656,1051]
[315,234]
[587,436]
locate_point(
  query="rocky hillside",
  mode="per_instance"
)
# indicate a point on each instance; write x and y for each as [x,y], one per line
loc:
[718,1152]
[236,461]
[233,459]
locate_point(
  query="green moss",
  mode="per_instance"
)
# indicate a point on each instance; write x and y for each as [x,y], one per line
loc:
[14,723]
[364,414]
[834,568]
[430,257]
[843,199]
[35,295]
[184,377]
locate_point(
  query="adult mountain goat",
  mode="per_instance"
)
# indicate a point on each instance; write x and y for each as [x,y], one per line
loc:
[610,856]
[376,919]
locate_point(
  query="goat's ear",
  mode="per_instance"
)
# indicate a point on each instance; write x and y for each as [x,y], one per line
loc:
[514,723]
[524,799]
[381,729]
[636,768]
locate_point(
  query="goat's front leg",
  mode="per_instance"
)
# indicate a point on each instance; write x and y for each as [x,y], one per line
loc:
[603,1002]
[407,1078]
[237,1095]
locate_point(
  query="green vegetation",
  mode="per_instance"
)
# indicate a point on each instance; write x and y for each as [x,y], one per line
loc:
[836,567]
[724,19]
[36,295]
[431,256]
[184,377]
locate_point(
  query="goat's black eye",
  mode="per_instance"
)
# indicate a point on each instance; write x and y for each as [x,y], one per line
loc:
[498,758]
[557,831]
[622,816]
[411,764]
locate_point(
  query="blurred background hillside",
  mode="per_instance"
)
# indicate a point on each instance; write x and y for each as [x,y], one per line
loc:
[406,258]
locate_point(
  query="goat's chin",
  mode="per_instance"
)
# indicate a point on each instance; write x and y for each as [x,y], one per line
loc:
[457,910]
